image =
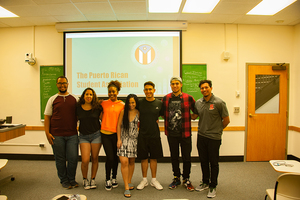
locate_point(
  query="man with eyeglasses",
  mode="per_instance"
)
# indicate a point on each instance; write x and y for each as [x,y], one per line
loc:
[213,118]
[61,131]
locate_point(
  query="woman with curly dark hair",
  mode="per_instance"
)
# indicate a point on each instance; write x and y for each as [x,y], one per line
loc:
[111,111]
[88,113]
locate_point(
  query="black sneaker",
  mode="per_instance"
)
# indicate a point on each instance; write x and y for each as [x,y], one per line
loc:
[108,185]
[74,184]
[66,185]
[176,181]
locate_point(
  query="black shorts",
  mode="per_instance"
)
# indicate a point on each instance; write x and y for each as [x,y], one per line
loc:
[148,146]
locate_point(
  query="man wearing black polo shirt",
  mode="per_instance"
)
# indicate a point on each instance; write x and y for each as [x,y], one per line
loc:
[149,142]
[61,131]
[213,118]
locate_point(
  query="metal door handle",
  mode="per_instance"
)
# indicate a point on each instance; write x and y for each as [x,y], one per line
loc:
[250,115]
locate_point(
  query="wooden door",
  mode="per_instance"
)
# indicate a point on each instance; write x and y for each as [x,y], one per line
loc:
[267,115]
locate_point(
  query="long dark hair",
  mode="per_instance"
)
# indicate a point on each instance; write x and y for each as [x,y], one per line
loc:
[95,103]
[126,110]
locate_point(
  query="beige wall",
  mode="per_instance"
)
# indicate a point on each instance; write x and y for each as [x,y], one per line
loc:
[202,43]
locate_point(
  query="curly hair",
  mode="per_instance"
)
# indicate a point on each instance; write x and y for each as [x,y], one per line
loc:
[95,103]
[115,84]
[126,110]
[205,81]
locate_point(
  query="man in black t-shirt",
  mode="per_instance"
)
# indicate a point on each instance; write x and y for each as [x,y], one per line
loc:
[176,111]
[149,142]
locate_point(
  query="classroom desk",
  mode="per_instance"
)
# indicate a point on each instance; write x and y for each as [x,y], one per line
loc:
[285,166]
[10,131]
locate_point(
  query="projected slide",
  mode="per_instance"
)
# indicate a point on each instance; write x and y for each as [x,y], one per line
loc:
[93,59]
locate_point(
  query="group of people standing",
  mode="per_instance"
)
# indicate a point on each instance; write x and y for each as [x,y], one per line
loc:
[130,130]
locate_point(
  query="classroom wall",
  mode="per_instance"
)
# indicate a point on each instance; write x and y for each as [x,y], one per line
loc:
[202,43]
[294,115]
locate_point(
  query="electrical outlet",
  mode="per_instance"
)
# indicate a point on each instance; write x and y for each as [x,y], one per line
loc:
[42,145]
[236,109]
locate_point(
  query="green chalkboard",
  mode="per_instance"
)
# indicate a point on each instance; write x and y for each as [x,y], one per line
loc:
[48,76]
[192,74]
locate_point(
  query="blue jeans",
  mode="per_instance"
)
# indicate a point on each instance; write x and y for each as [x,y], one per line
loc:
[65,149]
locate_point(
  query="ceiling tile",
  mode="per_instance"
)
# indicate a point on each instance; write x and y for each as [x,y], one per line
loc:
[231,7]
[2,25]
[61,9]
[42,20]
[16,22]
[25,11]
[101,17]
[45,2]
[70,18]
[4,3]
[94,8]
[87,1]
[129,7]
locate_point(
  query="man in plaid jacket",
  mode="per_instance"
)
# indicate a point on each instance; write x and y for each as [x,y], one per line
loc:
[176,112]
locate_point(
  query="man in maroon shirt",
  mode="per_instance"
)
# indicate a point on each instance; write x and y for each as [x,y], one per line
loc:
[61,131]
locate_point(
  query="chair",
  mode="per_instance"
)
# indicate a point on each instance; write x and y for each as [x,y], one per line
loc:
[287,187]
[3,163]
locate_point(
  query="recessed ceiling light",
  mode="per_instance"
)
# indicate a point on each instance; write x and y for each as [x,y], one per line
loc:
[164,6]
[270,7]
[6,13]
[199,6]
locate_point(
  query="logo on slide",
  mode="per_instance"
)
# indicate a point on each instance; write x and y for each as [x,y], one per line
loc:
[145,54]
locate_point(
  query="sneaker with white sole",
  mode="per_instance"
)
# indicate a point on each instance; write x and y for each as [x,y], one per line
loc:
[142,184]
[114,183]
[108,185]
[86,184]
[212,193]
[156,184]
[93,184]
[201,187]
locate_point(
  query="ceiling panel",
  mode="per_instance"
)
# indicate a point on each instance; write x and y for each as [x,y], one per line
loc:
[94,8]
[49,12]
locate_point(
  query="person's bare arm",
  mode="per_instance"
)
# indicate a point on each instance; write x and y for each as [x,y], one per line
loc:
[225,121]
[49,136]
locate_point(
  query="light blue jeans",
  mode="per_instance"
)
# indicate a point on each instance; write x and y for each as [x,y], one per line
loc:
[65,150]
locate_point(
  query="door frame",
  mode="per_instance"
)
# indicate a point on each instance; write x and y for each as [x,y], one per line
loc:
[246,103]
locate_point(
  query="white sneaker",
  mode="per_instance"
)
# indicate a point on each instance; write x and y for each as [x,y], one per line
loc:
[142,184]
[93,184]
[156,184]
[114,183]
[212,193]
[86,184]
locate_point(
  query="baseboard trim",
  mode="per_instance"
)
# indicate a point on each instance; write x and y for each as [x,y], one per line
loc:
[103,158]
[291,157]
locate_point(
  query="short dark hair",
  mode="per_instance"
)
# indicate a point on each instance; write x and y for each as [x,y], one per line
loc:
[205,81]
[149,83]
[61,77]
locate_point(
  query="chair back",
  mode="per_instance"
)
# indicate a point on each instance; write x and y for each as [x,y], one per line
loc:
[288,186]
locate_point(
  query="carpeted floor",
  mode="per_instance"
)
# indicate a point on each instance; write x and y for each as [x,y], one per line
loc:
[37,180]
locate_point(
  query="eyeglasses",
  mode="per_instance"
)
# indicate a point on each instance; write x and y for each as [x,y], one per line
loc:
[64,83]
[202,88]
[282,164]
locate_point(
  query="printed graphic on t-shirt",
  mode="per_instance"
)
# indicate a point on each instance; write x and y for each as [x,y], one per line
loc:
[175,116]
